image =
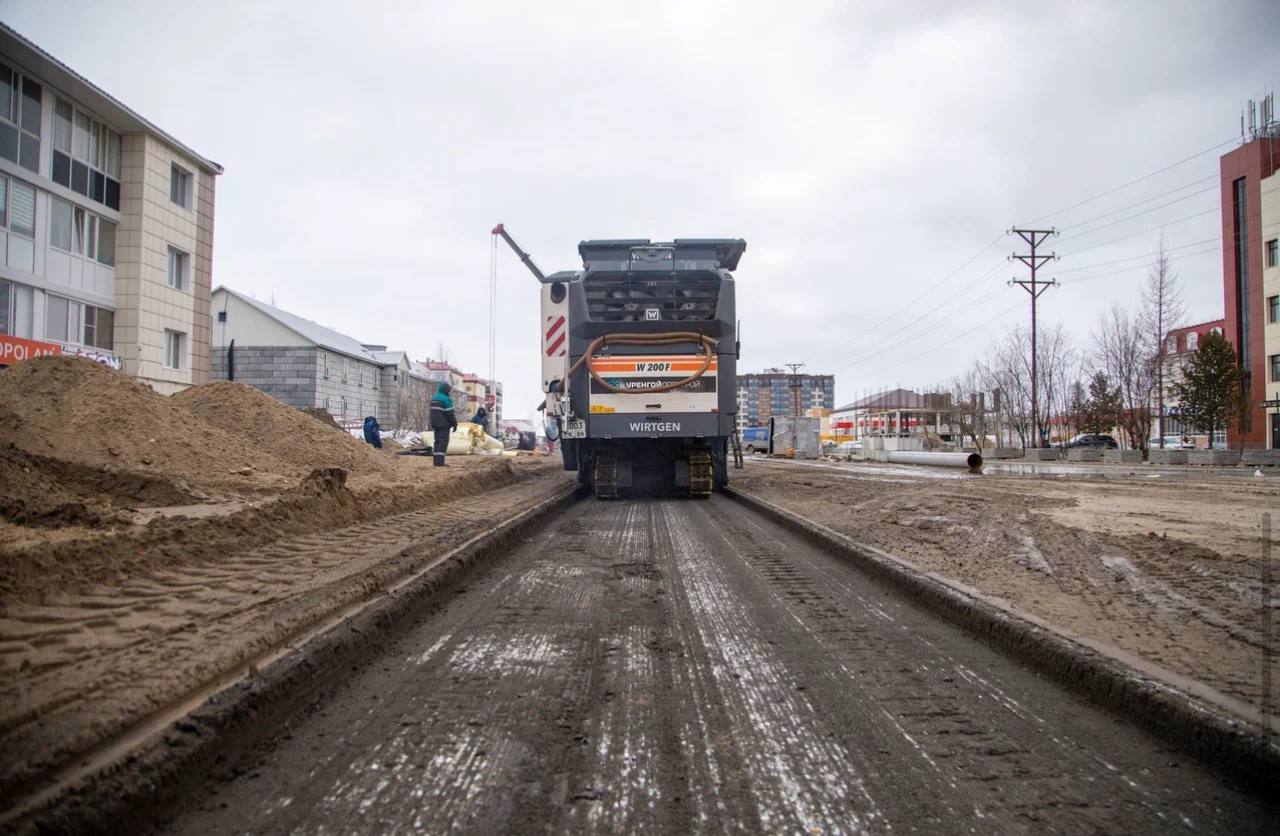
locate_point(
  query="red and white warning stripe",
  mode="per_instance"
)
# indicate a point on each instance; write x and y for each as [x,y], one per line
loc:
[556,335]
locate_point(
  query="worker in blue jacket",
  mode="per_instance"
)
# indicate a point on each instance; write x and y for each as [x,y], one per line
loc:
[442,421]
[372,432]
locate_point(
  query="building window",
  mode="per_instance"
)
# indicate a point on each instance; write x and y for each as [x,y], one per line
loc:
[76,231]
[17,224]
[175,350]
[1171,344]
[1240,244]
[179,262]
[1275,368]
[326,370]
[180,186]
[1273,309]
[86,155]
[1273,256]
[19,119]
[15,309]
[343,369]
[99,325]
[74,322]
[102,240]
[55,318]
[1193,341]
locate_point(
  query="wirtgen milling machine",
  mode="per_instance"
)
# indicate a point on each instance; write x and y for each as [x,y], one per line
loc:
[639,363]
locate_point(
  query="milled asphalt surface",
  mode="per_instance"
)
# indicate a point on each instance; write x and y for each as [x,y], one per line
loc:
[680,666]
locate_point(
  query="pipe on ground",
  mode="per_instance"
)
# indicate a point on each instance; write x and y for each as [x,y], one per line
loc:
[972,461]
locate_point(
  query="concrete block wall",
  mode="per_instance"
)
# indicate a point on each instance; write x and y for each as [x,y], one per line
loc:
[1158,456]
[1213,457]
[1122,456]
[286,373]
[1043,454]
[361,391]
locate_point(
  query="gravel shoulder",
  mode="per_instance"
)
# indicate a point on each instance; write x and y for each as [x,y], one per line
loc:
[1170,572]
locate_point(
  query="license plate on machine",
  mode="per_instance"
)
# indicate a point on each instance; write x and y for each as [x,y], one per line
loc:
[575,428]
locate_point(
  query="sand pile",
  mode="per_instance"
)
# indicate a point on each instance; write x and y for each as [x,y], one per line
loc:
[86,413]
[43,491]
[282,431]
[323,416]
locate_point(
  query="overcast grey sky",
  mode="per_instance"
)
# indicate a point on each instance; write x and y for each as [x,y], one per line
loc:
[864,150]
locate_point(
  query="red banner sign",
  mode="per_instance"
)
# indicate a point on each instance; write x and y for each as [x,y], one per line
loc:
[15,349]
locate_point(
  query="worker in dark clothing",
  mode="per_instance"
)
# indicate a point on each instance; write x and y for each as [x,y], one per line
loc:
[482,418]
[442,421]
[373,432]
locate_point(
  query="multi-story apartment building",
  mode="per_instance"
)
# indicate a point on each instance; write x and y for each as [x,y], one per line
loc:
[1250,229]
[106,227]
[763,395]
[1180,345]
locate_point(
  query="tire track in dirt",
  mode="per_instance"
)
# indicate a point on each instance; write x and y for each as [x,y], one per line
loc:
[105,659]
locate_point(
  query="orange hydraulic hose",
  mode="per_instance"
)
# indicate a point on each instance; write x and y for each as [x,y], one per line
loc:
[670,338]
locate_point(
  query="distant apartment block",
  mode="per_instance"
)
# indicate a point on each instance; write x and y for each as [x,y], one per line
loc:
[106,227]
[762,395]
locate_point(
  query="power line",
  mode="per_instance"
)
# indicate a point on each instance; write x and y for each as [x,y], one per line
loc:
[861,354]
[886,349]
[1140,202]
[1144,231]
[1136,257]
[1138,214]
[983,324]
[825,353]
[1138,267]
[1135,182]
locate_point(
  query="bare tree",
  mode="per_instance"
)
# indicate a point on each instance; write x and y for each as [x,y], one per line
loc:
[1122,346]
[1007,370]
[968,407]
[1059,369]
[1163,309]
[442,351]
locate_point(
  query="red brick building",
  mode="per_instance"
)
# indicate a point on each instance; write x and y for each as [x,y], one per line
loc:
[1244,238]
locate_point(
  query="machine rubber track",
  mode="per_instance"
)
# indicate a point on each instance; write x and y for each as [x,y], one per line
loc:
[605,475]
[701,480]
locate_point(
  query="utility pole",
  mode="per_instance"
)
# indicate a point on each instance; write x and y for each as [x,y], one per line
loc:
[795,387]
[1033,286]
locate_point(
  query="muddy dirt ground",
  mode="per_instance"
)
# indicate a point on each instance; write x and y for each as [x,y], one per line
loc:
[149,544]
[1168,571]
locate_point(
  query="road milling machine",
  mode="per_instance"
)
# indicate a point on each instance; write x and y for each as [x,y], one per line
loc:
[639,363]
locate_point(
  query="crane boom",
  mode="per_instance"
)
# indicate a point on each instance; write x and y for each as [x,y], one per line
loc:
[524,256]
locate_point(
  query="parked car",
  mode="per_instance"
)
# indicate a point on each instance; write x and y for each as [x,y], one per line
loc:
[1171,442]
[1091,441]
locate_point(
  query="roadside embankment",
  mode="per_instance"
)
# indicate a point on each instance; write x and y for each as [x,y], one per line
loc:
[148,544]
[1165,572]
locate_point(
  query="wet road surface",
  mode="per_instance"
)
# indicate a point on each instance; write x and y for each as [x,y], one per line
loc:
[681,666]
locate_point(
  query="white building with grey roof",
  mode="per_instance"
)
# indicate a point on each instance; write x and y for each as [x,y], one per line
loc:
[306,364]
